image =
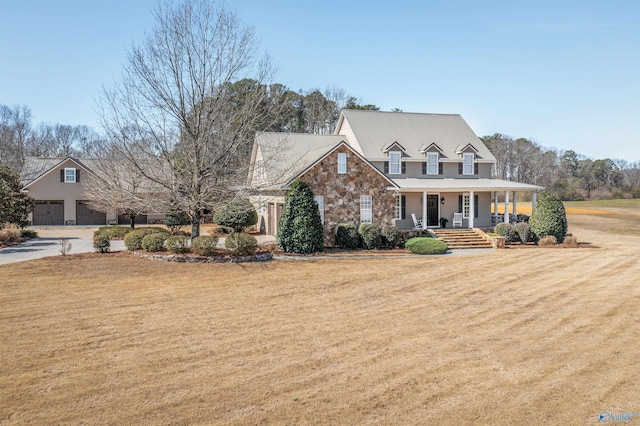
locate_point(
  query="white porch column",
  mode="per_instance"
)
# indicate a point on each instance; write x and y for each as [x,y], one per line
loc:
[472,209]
[515,197]
[495,204]
[534,197]
[424,210]
[506,207]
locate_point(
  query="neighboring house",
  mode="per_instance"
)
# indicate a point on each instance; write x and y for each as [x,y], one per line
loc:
[382,167]
[59,189]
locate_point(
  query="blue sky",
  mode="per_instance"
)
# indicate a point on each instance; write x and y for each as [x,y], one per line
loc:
[565,74]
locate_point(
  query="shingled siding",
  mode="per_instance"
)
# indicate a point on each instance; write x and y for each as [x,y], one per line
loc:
[342,192]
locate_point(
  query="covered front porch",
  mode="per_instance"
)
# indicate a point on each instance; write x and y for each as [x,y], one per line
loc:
[464,203]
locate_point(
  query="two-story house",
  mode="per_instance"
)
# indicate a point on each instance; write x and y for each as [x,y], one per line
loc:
[385,168]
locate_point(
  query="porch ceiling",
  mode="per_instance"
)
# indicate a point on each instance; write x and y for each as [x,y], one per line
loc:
[464,185]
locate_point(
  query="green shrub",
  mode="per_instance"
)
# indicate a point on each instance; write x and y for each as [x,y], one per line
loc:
[154,242]
[389,235]
[426,246]
[112,232]
[506,230]
[237,214]
[102,244]
[29,233]
[176,219]
[133,240]
[300,229]
[347,236]
[549,218]
[241,244]
[178,244]
[205,245]
[523,231]
[370,234]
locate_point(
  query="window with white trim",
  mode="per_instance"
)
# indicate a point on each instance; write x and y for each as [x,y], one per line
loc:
[467,164]
[342,163]
[432,163]
[320,202]
[69,175]
[465,206]
[366,209]
[395,162]
[398,207]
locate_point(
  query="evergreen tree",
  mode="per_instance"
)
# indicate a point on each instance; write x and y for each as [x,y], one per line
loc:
[549,218]
[14,205]
[300,229]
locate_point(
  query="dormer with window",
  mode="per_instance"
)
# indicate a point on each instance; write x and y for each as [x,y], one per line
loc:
[395,165]
[468,166]
[69,175]
[432,165]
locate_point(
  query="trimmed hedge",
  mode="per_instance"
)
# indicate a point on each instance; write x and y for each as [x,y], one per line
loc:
[237,214]
[102,244]
[178,244]
[205,245]
[390,236]
[426,246]
[549,218]
[112,232]
[370,234]
[523,231]
[241,244]
[154,242]
[347,236]
[506,230]
[133,240]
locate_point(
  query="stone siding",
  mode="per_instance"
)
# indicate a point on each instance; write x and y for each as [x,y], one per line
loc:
[342,192]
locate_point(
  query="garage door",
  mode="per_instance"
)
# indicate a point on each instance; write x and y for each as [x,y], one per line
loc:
[85,215]
[139,220]
[47,212]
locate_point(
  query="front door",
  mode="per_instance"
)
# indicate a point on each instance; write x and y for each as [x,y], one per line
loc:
[432,209]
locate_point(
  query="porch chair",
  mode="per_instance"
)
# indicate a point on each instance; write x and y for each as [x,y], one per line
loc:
[417,223]
[457,220]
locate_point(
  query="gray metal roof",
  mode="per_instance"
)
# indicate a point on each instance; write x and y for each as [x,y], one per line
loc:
[375,130]
[284,155]
[465,185]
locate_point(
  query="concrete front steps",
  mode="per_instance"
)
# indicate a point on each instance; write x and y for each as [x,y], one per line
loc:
[459,238]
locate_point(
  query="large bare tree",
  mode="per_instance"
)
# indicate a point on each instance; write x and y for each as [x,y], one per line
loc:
[174,117]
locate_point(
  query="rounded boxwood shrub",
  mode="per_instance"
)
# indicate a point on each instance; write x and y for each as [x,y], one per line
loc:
[347,236]
[237,214]
[241,244]
[389,235]
[133,240]
[102,244]
[178,244]
[300,229]
[426,246]
[154,242]
[205,245]
[506,230]
[112,232]
[523,231]
[549,218]
[176,219]
[28,233]
[370,234]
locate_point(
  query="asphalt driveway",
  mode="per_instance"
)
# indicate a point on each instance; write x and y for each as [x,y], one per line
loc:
[48,243]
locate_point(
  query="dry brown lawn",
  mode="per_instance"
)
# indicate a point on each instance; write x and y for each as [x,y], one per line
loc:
[511,337]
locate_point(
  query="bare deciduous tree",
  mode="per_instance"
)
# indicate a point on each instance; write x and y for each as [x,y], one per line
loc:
[172,118]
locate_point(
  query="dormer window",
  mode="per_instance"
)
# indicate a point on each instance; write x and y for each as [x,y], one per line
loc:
[467,163]
[342,163]
[395,162]
[432,163]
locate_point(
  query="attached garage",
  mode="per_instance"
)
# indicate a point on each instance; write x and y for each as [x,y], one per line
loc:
[48,212]
[85,215]
[141,219]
